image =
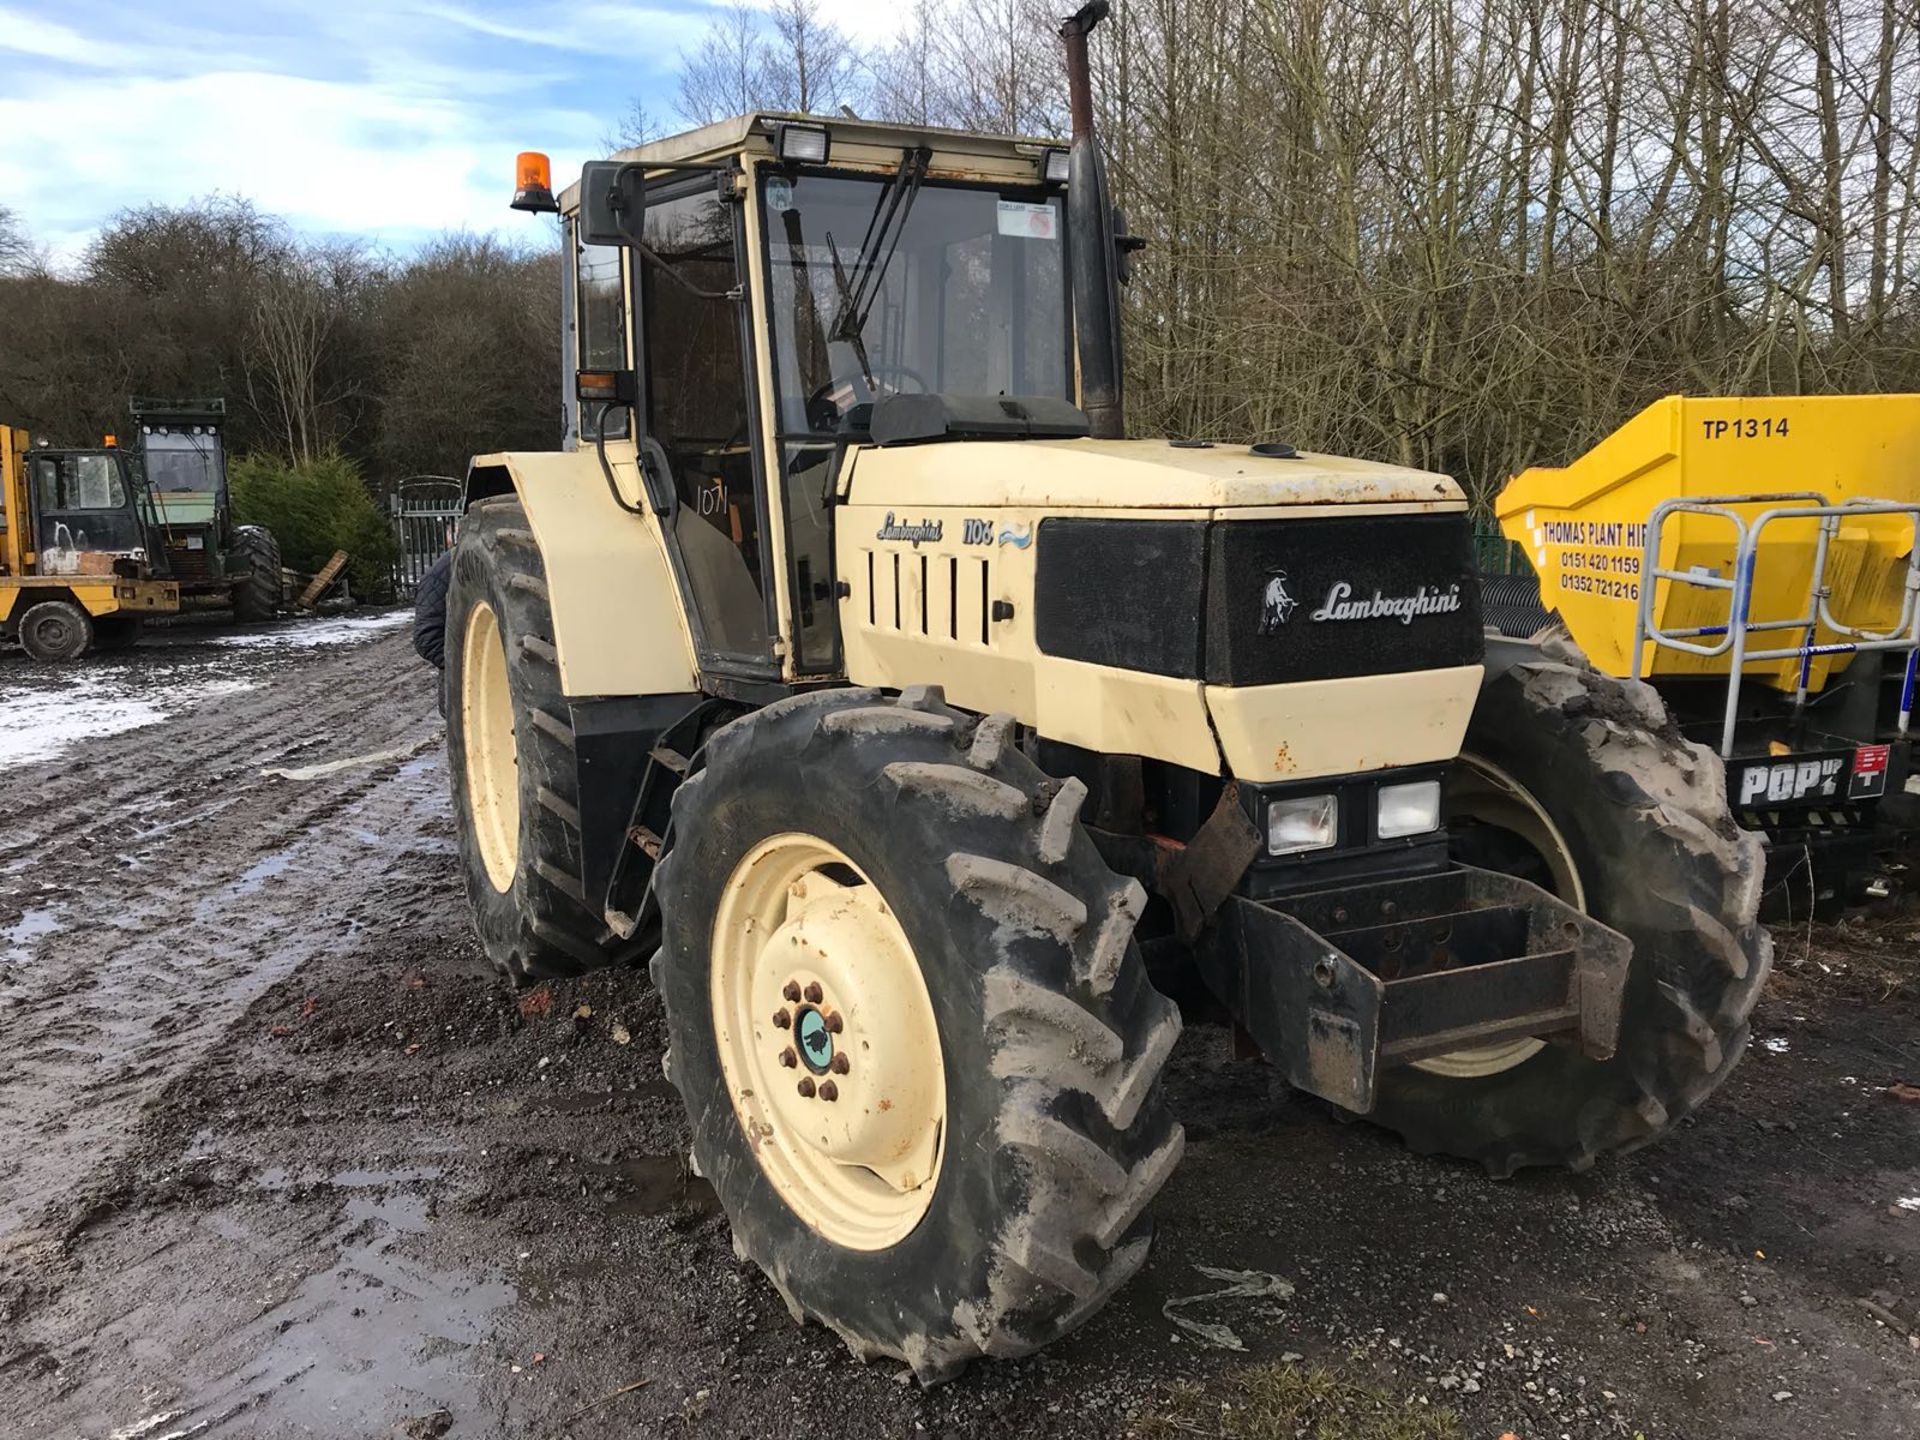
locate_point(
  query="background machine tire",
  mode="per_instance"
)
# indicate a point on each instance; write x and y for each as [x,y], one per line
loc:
[510,754]
[257,597]
[1643,818]
[1051,1134]
[55,630]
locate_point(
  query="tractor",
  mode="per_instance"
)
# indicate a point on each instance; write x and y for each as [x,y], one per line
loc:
[216,563]
[939,748]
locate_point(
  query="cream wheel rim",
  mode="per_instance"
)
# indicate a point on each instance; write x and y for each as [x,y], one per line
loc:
[828,1041]
[492,764]
[1482,790]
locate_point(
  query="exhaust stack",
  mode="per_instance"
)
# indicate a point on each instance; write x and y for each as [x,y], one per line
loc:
[1096,296]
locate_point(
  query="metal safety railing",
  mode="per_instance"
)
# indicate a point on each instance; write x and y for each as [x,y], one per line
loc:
[425,509]
[1733,636]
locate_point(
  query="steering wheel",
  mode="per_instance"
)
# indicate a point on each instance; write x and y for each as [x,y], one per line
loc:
[857,382]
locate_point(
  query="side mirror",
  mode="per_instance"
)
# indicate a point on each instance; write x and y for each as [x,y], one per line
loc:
[613,203]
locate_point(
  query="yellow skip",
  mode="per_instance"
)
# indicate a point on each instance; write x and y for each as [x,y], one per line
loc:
[1584,525]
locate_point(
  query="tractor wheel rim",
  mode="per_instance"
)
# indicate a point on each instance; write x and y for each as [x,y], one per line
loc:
[828,1041]
[1481,790]
[492,764]
[53,633]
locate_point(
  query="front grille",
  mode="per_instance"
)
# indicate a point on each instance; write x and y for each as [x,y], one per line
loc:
[1260,602]
[185,564]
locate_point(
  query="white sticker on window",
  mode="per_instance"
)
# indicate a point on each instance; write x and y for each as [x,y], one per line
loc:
[1027,222]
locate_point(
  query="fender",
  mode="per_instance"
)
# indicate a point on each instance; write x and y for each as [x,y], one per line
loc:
[619,626]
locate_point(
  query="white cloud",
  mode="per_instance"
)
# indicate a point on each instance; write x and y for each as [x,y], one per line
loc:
[327,156]
[25,34]
[386,121]
[605,29]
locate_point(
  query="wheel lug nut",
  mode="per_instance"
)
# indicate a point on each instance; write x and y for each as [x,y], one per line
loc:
[806,1087]
[789,1059]
[829,1090]
[834,1022]
[813,992]
[782,1019]
[791,990]
[839,1065]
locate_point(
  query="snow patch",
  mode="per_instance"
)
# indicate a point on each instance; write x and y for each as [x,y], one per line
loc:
[1776,1043]
[39,724]
[312,634]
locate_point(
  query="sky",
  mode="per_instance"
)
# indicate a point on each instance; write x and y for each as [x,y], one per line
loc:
[387,122]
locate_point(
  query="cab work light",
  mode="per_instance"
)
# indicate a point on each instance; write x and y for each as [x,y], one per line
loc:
[803,144]
[1055,166]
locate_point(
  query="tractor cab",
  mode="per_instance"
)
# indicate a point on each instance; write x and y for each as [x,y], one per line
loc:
[770,292]
[85,513]
[183,463]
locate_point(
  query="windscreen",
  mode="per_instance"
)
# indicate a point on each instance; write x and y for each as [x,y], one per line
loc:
[180,460]
[880,289]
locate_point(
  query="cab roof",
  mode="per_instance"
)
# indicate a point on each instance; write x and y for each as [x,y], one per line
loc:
[753,132]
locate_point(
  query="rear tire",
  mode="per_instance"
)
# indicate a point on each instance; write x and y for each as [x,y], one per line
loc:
[511,759]
[55,630]
[257,597]
[1644,820]
[1051,1134]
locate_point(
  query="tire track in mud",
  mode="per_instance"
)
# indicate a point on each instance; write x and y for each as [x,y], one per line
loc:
[170,883]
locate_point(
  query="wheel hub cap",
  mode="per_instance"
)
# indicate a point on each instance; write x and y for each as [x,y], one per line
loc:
[816,1041]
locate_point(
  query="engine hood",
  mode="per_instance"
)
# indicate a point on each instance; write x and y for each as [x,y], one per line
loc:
[1130,475]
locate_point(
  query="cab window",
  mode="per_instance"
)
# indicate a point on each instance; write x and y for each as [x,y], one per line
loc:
[79,482]
[603,327]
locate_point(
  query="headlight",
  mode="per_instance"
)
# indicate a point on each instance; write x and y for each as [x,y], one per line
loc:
[1304,822]
[1408,809]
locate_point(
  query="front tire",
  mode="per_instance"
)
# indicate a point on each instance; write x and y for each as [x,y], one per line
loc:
[850,850]
[55,630]
[1645,844]
[510,751]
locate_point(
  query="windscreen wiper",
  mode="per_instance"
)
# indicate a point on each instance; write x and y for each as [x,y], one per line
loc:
[884,229]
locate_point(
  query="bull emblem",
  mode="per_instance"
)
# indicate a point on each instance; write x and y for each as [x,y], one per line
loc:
[1276,604]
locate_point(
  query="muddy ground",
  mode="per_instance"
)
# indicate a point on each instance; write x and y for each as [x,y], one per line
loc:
[280,1157]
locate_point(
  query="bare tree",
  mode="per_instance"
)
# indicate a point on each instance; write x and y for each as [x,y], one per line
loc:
[18,255]
[809,63]
[726,73]
[639,126]
[298,310]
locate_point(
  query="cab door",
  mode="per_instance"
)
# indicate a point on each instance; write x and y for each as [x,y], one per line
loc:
[83,507]
[698,421]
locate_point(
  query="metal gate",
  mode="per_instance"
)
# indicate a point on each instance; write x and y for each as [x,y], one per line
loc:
[426,511]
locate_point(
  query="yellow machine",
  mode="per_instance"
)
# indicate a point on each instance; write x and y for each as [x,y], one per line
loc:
[74,575]
[1584,525]
[939,747]
[1782,616]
